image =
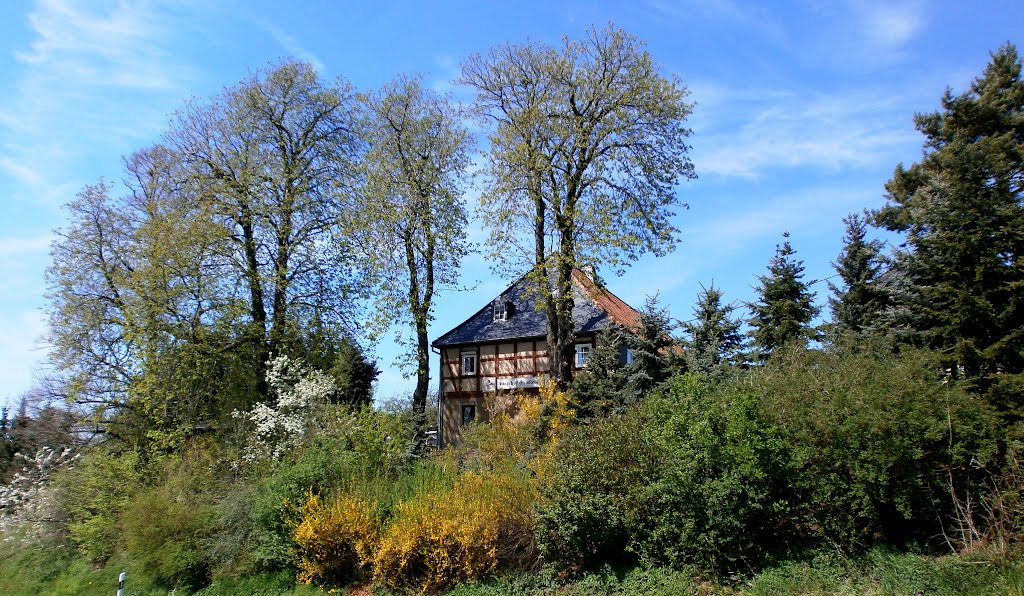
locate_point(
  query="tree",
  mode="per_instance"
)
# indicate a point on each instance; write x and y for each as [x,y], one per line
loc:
[962,209]
[167,299]
[713,335]
[857,304]
[597,389]
[275,159]
[785,308]
[587,148]
[412,224]
[650,344]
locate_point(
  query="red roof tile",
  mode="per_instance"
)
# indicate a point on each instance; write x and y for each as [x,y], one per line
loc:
[619,312]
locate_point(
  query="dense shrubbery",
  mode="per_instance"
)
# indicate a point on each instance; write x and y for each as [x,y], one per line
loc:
[438,539]
[335,540]
[166,527]
[845,448]
[878,442]
[691,477]
[817,451]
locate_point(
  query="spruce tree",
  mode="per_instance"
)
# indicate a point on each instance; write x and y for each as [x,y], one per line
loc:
[962,209]
[785,308]
[597,388]
[650,344]
[858,302]
[713,336]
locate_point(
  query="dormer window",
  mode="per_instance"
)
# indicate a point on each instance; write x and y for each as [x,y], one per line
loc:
[500,310]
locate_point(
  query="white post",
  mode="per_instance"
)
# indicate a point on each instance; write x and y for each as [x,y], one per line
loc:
[120,584]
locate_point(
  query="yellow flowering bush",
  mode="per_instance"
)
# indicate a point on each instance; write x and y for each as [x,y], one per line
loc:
[438,539]
[522,428]
[334,541]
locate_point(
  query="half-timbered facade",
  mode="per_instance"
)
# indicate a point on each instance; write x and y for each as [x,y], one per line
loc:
[503,347]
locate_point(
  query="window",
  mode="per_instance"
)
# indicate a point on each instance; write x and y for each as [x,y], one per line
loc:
[627,356]
[469,363]
[468,414]
[582,354]
[500,310]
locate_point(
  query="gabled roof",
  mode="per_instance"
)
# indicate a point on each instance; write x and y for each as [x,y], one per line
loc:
[595,308]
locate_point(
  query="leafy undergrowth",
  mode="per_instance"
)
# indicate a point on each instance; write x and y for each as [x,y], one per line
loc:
[30,570]
[880,571]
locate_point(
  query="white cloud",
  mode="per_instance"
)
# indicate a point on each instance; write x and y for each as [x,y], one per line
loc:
[743,135]
[11,247]
[20,353]
[893,24]
[293,47]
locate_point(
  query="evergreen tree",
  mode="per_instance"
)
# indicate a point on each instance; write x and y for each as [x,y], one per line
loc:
[785,308]
[597,389]
[962,208]
[713,336]
[857,303]
[649,345]
[354,375]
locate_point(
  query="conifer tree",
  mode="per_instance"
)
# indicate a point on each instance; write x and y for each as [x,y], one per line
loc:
[597,388]
[857,303]
[649,344]
[962,208]
[713,336]
[785,308]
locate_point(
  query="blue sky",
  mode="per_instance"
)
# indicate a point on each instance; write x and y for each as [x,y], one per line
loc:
[803,110]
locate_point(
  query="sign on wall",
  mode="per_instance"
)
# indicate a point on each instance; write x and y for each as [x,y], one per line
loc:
[518,383]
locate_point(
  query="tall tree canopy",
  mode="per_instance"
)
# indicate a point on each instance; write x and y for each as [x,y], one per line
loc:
[587,149]
[412,220]
[275,156]
[858,302]
[962,209]
[785,304]
[167,298]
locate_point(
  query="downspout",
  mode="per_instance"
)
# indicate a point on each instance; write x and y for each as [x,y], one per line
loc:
[440,396]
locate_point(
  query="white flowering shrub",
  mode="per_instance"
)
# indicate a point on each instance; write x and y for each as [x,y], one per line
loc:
[27,500]
[301,393]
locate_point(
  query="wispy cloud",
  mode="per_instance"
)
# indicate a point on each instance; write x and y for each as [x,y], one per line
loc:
[750,16]
[23,329]
[89,77]
[15,246]
[292,46]
[746,133]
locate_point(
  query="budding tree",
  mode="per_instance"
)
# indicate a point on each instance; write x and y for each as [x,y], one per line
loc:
[587,147]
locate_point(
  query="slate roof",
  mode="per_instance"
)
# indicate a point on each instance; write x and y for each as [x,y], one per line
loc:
[595,308]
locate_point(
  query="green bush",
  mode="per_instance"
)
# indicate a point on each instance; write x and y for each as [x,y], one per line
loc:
[878,442]
[167,528]
[95,492]
[591,498]
[690,477]
[263,516]
[721,498]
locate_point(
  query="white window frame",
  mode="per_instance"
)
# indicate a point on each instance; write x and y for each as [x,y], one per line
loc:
[582,354]
[468,357]
[500,310]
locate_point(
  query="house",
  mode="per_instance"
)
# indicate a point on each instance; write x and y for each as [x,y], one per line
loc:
[503,347]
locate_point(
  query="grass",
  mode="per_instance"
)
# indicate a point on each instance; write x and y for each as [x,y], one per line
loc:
[27,569]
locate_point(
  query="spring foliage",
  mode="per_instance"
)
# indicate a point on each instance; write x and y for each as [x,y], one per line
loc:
[436,540]
[335,540]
